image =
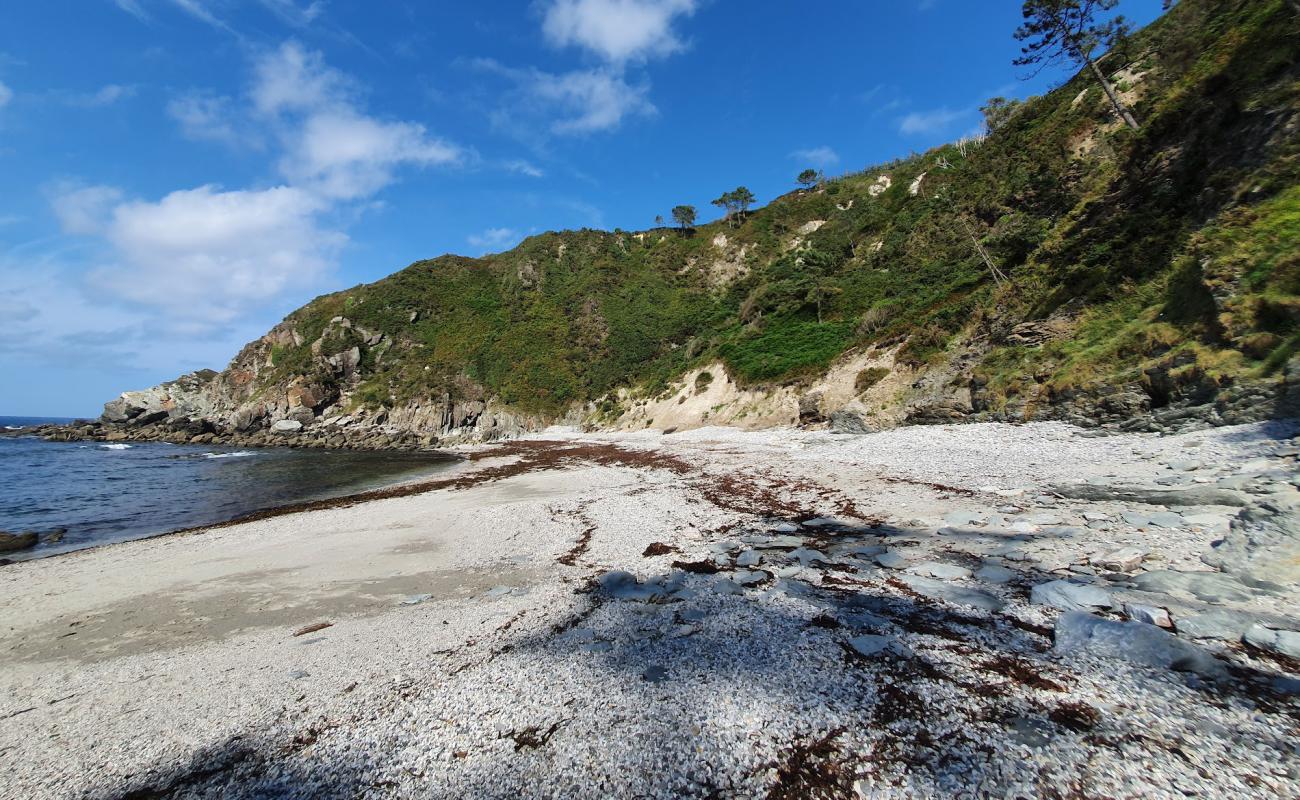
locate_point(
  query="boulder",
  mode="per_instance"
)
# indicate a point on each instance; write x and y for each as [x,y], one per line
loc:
[285,426]
[12,542]
[850,422]
[1223,624]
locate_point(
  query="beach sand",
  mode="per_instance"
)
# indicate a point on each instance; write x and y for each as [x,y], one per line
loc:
[804,615]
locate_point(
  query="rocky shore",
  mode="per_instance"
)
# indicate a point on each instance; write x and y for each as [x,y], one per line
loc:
[970,610]
[286,433]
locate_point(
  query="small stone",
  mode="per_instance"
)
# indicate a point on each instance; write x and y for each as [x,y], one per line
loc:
[749,558]
[1126,559]
[1151,615]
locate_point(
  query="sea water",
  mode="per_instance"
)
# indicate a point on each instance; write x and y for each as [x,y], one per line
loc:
[90,493]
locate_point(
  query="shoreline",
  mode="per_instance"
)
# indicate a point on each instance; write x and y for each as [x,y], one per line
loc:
[746,612]
[399,487]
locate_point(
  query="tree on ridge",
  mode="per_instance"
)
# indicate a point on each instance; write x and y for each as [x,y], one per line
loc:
[1067,30]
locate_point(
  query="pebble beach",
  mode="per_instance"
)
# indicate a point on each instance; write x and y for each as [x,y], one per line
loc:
[981,610]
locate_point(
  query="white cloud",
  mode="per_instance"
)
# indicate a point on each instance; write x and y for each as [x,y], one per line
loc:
[617,30]
[921,122]
[523,167]
[493,239]
[105,96]
[293,79]
[84,210]
[578,102]
[346,155]
[822,156]
[596,100]
[133,8]
[330,146]
[292,13]
[204,116]
[207,256]
[6,94]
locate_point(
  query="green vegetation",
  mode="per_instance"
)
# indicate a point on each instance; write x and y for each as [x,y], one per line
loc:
[1175,244]
[869,377]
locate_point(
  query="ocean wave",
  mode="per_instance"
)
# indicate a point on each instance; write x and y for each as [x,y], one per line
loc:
[115,446]
[13,427]
[237,454]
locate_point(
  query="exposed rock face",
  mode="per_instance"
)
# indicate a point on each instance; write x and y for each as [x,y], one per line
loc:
[255,394]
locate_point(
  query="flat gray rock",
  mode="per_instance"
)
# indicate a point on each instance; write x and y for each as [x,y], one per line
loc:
[779,542]
[807,556]
[1223,624]
[891,559]
[993,573]
[938,569]
[1263,544]
[749,558]
[624,586]
[1135,642]
[1285,642]
[1167,519]
[959,595]
[870,645]
[960,518]
[1068,596]
[1212,587]
[1153,497]
[749,577]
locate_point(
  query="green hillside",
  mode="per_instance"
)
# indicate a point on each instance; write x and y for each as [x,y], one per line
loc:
[1172,251]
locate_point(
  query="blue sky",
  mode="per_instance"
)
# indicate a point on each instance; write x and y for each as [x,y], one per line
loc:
[177,175]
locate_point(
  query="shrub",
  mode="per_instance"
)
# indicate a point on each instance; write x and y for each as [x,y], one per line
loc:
[702,381]
[869,377]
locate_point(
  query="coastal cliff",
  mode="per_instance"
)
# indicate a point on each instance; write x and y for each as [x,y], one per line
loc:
[1061,267]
